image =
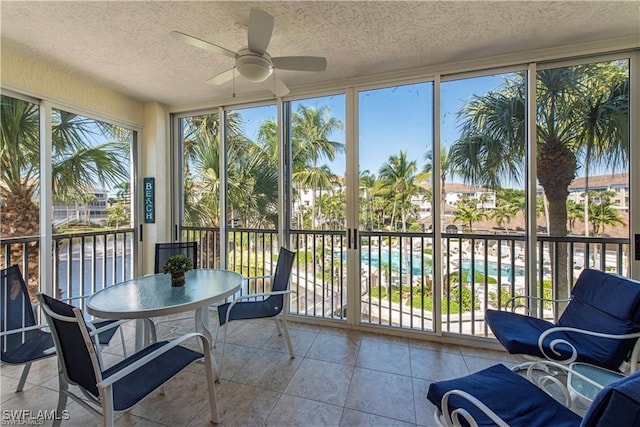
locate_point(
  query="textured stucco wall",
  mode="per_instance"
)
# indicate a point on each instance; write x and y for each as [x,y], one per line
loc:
[155,158]
[30,77]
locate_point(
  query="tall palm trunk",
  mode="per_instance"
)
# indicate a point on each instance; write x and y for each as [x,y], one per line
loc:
[556,168]
[586,189]
[20,218]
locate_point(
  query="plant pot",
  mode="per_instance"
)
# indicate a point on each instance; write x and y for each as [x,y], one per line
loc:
[177,280]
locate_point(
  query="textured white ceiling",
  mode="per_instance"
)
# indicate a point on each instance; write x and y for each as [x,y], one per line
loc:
[126,45]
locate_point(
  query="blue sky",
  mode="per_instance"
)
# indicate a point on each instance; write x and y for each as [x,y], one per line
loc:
[392,119]
[395,119]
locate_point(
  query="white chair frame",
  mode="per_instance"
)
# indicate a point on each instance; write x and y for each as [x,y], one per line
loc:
[263,295]
[445,418]
[102,407]
[632,365]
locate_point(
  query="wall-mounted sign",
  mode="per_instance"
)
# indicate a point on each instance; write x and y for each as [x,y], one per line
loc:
[149,201]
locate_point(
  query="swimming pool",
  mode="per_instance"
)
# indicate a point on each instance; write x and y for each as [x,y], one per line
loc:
[394,259]
[492,268]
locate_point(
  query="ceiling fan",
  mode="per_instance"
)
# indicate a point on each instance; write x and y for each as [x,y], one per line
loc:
[253,62]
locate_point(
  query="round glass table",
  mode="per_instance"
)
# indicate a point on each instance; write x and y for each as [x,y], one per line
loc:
[153,296]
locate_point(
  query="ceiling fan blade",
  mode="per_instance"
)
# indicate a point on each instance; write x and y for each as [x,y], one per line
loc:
[300,63]
[194,41]
[223,77]
[276,86]
[260,29]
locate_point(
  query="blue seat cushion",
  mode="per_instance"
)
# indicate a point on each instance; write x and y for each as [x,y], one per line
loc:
[32,348]
[513,398]
[270,307]
[134,387]
[618,404]
[519,334]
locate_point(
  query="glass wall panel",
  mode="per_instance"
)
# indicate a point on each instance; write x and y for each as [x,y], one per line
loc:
[483,210]
[201,145]
[318,205]
[20,187]
[582,172]
[395,210]
[252,192]
[92,182]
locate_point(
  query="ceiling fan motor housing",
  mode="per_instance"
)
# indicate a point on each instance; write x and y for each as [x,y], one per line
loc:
[253,66]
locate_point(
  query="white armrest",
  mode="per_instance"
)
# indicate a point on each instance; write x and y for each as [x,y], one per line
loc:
[514,298]
[149,357]
[453,418]
[261,294]
[95,331]
[20,330]
[574,353]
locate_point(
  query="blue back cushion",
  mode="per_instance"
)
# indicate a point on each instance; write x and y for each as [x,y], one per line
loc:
[610,293]
[77,359]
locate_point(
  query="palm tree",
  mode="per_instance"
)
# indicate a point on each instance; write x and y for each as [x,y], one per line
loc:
[447,168]
[503,213]
[397,178]
[601,215]
[77,161]
[251,174]
[124,190]
[491,147]
[117,214]
[367,191]
[86,199]
[602,106]
[468,213]
[311,129]
[574,212]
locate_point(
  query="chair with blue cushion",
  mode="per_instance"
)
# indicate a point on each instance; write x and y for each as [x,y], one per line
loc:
[262,305]
[164,251]
[600,326]
[497,396]
[121,386]
[22,340]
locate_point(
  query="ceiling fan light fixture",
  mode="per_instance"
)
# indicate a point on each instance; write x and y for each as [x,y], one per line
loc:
[255,68]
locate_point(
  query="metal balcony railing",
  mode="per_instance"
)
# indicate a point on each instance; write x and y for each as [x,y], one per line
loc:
[396,286]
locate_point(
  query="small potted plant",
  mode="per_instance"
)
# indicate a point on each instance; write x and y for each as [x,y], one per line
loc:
[177,265]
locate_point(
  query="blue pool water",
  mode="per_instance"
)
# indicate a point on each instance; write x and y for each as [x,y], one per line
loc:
[393,259]
[492,269]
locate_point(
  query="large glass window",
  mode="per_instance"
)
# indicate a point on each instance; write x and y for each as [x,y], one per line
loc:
[92,203]
[378,246]
[583,170]
[201,185]
[318,205]
[483,210]
[395,210]
[252,191]
[91,182]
